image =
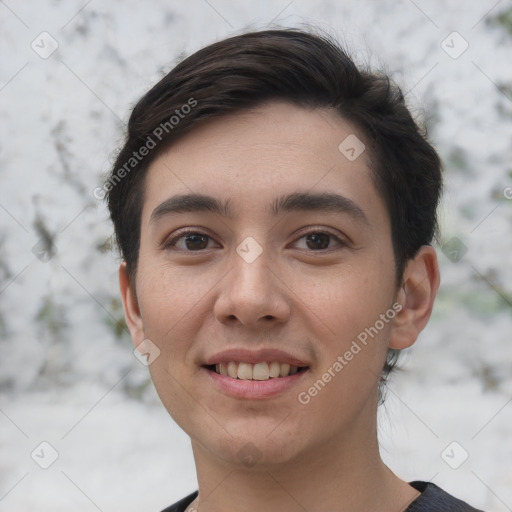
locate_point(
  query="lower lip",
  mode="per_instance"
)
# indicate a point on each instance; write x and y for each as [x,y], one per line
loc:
[254,389]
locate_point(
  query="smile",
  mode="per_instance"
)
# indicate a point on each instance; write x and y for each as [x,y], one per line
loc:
[260,371]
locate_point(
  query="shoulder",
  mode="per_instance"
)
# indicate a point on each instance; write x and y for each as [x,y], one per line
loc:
[181,505]
[434,499]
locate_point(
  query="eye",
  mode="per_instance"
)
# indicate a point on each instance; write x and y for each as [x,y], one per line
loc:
[189,241]
[319,240]
[195,241]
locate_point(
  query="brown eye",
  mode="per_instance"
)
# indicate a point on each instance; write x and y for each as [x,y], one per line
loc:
[190,241]
[196,241]
[320,241]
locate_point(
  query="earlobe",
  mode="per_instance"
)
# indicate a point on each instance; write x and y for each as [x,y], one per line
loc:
[417,294]
[131,307]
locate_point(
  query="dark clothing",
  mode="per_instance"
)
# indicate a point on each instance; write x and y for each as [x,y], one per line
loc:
[432,499]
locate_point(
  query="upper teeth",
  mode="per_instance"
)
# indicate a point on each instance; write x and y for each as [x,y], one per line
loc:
[258,371]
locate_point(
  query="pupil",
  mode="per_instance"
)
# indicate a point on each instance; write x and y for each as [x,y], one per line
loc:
[317,240]
[197,238]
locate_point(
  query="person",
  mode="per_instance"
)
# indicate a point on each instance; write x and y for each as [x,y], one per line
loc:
[275,206]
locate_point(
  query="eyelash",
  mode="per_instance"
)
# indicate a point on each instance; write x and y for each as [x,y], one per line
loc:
[169,244]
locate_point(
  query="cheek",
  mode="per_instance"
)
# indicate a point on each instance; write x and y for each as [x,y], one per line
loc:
[353,299]
[170,299]
[358,312]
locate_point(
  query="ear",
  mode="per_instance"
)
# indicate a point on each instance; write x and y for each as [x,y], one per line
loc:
[131,307]
[416,296]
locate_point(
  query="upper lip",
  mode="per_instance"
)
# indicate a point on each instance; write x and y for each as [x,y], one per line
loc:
[253,356]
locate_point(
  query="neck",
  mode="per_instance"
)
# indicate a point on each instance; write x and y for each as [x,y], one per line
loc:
[344,474]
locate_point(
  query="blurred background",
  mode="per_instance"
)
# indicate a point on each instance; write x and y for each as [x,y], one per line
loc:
[81,426]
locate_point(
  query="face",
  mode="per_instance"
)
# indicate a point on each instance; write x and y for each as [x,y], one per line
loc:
[276,284]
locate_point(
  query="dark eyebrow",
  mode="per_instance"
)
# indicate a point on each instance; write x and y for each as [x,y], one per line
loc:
[320,201]
[297,201]
[191,203]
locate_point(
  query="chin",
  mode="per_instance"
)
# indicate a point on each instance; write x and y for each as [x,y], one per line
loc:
[256,446]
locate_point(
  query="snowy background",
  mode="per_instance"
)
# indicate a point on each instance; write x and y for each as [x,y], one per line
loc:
[67,373]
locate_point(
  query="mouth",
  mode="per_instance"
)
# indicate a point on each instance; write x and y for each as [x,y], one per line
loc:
[255,374]
[262,371]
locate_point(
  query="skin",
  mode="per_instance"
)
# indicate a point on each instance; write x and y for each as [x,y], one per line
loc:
[311,303]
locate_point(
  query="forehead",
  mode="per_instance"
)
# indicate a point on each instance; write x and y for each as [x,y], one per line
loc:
[253,157]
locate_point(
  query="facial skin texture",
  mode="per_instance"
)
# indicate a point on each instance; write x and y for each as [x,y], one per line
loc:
[311,303]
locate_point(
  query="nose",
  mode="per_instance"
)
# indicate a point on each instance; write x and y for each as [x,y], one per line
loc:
[253,294]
